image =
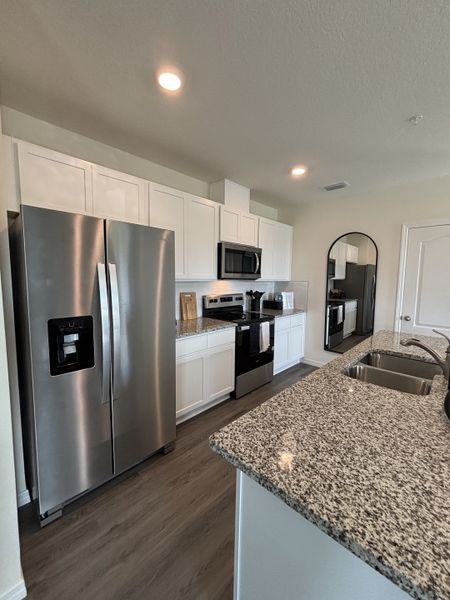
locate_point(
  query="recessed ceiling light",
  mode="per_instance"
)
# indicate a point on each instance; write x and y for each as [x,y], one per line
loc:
[169,81]
[298,171]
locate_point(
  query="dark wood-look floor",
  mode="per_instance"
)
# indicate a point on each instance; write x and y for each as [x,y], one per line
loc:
[350,342]
[165,531]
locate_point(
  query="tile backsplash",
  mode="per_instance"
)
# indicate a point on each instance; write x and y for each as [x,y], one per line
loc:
[204,288]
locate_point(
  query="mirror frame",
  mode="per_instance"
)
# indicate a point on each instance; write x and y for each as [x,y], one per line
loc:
[326,281]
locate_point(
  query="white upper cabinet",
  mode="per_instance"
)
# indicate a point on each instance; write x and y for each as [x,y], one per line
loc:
[283,252]
[275,240]
[339,253]
[119,196]
[202,235]
[267,235]
[248,229]
[229,224]
[167,211]
[352,253]
[238,227]
[53,180]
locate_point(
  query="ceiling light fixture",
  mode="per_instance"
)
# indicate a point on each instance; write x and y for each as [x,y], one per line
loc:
[169,81]
[298,171]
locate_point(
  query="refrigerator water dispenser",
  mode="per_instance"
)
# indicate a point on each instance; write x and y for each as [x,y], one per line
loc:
[71,344]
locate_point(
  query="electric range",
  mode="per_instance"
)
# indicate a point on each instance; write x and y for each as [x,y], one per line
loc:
[254,340]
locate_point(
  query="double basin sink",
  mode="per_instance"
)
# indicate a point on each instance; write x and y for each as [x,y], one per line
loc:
[410,375]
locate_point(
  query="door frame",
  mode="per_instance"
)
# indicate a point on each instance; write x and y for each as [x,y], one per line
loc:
[406,228]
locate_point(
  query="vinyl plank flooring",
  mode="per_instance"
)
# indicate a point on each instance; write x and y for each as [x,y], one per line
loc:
[163,531]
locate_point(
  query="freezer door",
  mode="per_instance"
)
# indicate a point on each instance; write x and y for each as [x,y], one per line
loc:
[141,271]
[67,373]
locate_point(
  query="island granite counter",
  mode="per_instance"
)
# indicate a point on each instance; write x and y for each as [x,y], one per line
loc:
[369,466]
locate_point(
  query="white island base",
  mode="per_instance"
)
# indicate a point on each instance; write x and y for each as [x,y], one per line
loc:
[280,555]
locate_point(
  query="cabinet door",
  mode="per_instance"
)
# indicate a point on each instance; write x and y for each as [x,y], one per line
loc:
[282,252]
[119,196]
[53,180]
[248,231]
[220,372]
[281,350]
[167,211]
[267,235]
[341,260]
[202,238]
[229,225]
[296,343]
[191,389]
[352,253]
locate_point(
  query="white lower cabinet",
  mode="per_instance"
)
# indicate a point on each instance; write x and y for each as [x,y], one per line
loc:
[289,341]
[351,309]
[205,371]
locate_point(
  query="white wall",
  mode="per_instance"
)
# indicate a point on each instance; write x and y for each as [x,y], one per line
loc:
[11,580]
[380,215]
[30,129]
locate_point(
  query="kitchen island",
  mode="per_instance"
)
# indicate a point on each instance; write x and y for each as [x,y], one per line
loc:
[343,488]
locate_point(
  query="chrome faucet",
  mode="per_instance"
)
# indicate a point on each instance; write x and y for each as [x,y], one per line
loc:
[444,364]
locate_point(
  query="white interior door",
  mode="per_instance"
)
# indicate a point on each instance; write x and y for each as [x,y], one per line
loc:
[426,288]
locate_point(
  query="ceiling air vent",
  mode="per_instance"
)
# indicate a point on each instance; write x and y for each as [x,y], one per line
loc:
[336,186]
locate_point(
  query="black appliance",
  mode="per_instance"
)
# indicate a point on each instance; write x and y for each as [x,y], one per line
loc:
[331,268]
[255,300]
[238,262]
[360,284]
[254,340]
[335,324]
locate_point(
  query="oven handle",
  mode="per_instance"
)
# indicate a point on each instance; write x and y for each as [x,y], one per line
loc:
[243,328]
[257,262]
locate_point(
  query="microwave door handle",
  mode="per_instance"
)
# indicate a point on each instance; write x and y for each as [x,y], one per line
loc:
[115,315]
[257,262]
[104,324]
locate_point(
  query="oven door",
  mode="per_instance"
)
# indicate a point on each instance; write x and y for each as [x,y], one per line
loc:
[336,317]
[239,262]
[248,348]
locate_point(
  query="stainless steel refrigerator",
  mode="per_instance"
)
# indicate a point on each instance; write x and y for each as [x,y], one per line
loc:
[360,284]
[94,311]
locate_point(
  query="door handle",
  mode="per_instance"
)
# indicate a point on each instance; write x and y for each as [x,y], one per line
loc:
[115,318]
[407,318]
[104,323]
[257,262]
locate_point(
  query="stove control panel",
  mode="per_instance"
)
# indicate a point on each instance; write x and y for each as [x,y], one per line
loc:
[223,301]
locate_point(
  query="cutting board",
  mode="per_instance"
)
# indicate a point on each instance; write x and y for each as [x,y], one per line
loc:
[188,304]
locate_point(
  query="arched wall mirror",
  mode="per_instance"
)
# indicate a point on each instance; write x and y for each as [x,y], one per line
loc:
[351,289]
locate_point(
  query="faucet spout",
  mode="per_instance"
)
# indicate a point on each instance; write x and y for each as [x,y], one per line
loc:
[443,363]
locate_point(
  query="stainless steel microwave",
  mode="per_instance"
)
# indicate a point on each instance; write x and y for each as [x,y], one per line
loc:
[239,262]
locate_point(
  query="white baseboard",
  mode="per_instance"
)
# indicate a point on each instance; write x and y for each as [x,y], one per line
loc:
[18,592]
[23,497]
[185,416]
[313,363]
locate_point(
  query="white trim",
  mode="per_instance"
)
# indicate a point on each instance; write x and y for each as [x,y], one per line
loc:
[187,413]
[23,497]
[237,535]
[315,363]
[406,227]
[18,592]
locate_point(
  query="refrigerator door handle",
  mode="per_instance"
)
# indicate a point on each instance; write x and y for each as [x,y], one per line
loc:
[104,320]
[115,317]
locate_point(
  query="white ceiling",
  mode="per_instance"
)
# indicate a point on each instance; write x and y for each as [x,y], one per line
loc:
[269,84]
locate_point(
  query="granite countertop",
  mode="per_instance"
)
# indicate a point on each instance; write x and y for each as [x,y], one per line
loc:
[368,465]
[200,325]
[275,312]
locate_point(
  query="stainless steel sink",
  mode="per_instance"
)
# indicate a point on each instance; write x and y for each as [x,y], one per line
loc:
[401,364]
[389,379]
